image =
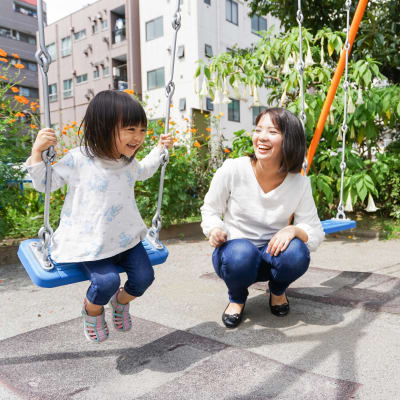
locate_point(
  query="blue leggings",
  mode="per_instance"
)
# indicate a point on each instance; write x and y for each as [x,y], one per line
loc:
[104,274]
[240,264]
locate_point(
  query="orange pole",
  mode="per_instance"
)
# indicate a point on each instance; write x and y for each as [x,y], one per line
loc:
[335,83]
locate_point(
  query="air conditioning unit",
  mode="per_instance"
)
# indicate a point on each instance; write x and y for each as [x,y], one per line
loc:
[74,73]
[72,29]
[99,17]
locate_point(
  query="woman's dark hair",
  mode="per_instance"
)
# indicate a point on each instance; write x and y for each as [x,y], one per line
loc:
[108,111]
[294,141]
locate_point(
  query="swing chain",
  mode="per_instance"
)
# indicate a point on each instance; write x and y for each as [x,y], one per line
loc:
[300,68]
[346,84]
[153,232]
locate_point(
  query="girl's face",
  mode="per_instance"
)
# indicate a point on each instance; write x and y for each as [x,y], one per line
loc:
[129,140]
[267,141]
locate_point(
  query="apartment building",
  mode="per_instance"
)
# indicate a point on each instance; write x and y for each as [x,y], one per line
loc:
[18,26]
[91,52]
[209,27]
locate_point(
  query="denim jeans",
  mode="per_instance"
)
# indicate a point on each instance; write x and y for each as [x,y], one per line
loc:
[104,276]
[240,264]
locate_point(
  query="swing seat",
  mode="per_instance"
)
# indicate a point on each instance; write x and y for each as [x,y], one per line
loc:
[336,225]
[68,273]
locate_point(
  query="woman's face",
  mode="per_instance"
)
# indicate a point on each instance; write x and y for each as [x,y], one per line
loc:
[267,141]
[129,140]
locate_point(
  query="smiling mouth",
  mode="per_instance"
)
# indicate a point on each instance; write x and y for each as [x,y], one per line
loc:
[264,148]
[132,146]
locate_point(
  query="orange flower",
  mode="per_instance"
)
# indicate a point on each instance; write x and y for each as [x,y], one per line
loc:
[150,131]
[64,132]
[208,129]
[33,126]
[171,105]
[172,123]
[177,131]
[193,130]
[14,89]
[3,59]
[226,150]
[129,91]
[15,55]
[65,150]
[19,114]
[175,139]
[19,66]
[21,99]
[196,144]
[3,106]
[153,138]
[12,120]
[186,119]
[3,53]
[73,123]
[3,77]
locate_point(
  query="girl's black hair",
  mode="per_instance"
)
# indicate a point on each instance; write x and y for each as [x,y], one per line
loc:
[108,111]
[294,141]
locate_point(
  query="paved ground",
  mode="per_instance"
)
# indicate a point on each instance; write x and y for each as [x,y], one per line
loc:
[340,340]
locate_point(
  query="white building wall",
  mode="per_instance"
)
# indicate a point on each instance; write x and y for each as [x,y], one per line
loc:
[201,24]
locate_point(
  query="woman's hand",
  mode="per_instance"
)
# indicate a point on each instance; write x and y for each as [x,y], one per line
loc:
[167,140]
[217,237]
[281,240]
[45,138]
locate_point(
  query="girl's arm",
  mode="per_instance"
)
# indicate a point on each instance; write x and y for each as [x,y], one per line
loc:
[216,199]
[61,171]
[149,165]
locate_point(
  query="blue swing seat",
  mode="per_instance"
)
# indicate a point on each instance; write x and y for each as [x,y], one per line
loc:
[337,225]
[69,273]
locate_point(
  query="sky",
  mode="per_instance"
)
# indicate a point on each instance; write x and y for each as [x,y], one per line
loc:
[57,9]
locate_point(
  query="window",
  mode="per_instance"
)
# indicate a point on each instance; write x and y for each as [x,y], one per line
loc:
[256,111]
[182,104]
[53,92]
[67,86]
[96,73]
[16,35]
[104,24]
[232,11]
[209,104]
[155,79]
[106,72]
[234,111]
[208,2]
[51,48]
[154,28]
[181,51]
[258,24]
[80,35]
[28,92]
[66,48]
[31,66]
[95,27]
[208,51]
[25,10]
[81,79]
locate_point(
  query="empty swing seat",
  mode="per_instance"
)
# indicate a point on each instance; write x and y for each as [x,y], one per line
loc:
[68,273]
[337,225]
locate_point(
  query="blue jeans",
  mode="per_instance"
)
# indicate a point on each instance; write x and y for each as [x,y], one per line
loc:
[240,264]
[104,274]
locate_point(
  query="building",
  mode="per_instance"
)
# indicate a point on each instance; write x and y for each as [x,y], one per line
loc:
[18,26]
[127,44]
[209,27]
[90,52]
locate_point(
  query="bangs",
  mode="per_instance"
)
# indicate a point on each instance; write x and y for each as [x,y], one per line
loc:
[130,112]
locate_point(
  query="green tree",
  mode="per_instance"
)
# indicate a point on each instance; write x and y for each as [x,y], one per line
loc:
[379,32]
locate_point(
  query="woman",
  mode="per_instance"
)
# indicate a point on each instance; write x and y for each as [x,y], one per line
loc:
[248,210]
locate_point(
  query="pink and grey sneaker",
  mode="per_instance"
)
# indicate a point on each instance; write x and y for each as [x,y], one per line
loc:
[94,328]
[120,312]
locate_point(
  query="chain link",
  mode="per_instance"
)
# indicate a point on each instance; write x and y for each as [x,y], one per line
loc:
[153,232]
[340,210]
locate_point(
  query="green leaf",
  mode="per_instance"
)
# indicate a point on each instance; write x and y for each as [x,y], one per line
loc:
[207,73]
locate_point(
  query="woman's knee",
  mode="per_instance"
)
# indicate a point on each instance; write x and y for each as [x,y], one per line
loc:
[239,260]
[296,256]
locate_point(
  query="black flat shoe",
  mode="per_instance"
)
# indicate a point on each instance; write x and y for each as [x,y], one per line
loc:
[232,320]
[279,310]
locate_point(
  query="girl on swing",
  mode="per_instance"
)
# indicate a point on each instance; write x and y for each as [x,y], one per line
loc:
[247,211]
[100,226]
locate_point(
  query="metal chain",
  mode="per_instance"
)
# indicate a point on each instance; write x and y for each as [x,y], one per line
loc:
[300,67]
[43,59]
[340,213]
[153,232]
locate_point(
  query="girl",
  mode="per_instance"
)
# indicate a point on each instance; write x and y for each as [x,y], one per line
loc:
[256,196]
[100,226]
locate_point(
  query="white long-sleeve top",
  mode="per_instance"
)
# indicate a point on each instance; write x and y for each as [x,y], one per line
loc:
[99,217]
[237,204]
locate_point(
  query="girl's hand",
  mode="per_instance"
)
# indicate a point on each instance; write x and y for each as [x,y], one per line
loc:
[217,237]
[167,140]
[281,240]
[45,138]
